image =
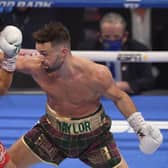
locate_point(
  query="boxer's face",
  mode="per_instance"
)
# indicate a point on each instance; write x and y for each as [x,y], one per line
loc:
[53,56]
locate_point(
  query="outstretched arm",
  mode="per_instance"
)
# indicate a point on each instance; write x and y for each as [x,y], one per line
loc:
[110,90]
[150,137]
[28,61]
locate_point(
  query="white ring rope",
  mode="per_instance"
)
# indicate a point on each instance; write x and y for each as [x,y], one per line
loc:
[124,56]
[117,56]
[120,56]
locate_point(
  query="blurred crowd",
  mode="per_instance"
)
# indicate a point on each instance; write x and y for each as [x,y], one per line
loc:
[95,29]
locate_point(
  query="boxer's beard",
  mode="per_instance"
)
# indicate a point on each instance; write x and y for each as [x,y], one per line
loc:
[49,70]
[54,68]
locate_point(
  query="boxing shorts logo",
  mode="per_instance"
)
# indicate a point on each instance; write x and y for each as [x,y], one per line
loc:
[74,128]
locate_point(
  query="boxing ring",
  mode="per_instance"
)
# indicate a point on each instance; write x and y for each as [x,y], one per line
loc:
[20,110]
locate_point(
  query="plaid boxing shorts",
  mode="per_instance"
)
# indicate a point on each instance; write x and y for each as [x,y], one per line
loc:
[53,139]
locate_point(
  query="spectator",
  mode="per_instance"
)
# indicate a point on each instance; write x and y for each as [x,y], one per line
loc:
[141,25]
[136,77]
[91,17]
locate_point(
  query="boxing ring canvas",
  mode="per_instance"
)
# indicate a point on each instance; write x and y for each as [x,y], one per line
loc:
[19,112]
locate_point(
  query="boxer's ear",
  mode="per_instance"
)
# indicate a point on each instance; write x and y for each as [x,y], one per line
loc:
[65,51]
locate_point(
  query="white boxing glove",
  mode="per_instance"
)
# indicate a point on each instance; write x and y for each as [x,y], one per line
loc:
[150,137]
[10,44]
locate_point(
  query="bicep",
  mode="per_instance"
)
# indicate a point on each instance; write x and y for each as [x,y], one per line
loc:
[112,91]
[122,101]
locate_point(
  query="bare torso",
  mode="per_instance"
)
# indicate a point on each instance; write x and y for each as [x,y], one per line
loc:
[74,95]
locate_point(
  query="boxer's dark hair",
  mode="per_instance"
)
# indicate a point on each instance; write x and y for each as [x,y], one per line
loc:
[54,32]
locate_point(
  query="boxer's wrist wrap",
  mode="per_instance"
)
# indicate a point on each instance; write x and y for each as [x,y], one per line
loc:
[136,121]
[4,156]
[9,64]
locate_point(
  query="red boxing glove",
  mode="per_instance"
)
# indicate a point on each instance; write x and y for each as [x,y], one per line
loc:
[4,156]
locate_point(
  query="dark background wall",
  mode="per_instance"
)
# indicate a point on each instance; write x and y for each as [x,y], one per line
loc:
[78,20]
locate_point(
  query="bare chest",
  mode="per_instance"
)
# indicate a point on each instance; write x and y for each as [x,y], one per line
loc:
[76,90]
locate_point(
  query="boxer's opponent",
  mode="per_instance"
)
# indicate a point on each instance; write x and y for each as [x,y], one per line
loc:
[75,124]
[10,43]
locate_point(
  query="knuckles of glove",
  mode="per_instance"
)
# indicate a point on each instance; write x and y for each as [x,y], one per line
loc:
[10,41]
[150,139]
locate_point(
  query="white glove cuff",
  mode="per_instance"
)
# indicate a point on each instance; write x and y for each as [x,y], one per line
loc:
[136,121]
[9,64]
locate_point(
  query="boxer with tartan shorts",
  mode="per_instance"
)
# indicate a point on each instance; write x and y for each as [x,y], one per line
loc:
[75,124]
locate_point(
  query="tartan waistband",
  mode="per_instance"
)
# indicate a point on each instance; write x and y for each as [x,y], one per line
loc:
[76,126]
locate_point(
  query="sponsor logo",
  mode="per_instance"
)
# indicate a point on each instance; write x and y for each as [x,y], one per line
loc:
[132,3]
[33,3]
[129,57]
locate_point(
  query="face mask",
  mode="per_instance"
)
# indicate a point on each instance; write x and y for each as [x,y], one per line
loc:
[110,45]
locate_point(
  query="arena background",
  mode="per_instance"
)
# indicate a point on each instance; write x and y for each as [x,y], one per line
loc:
[25,103]
[32,14]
